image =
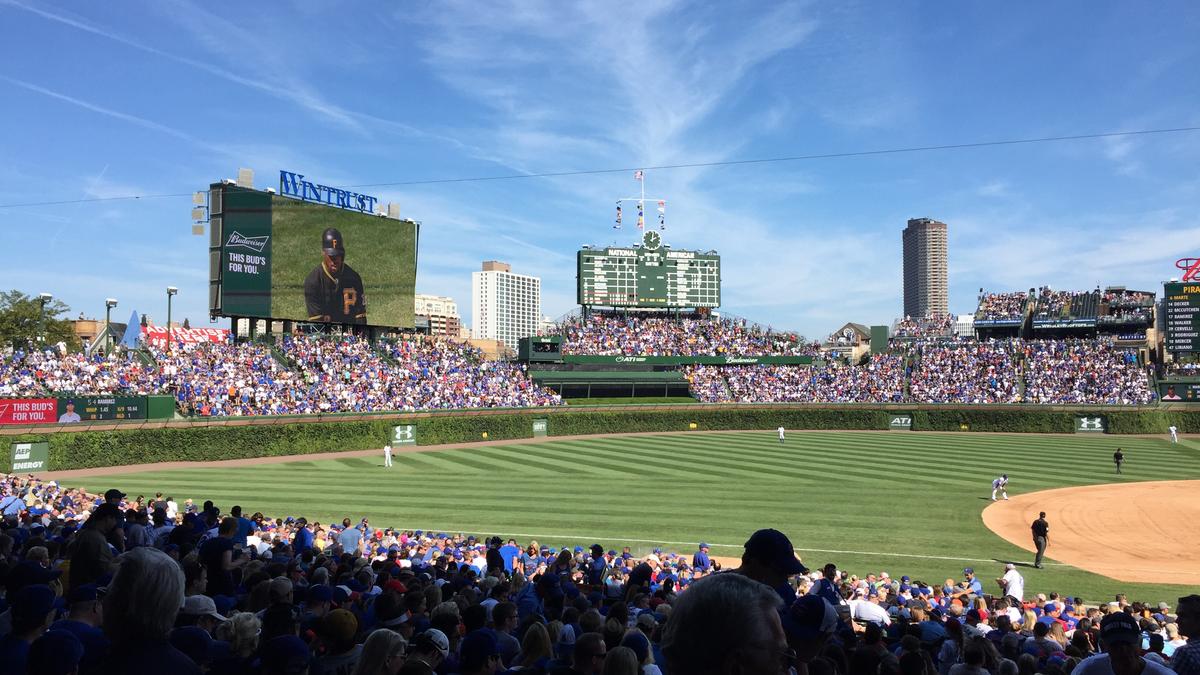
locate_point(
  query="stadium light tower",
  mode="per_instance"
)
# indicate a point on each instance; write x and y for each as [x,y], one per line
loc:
[109,303]
[171,291]
[43,300]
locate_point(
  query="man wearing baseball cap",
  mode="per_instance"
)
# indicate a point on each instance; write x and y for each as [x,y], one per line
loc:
[1121,640]
[700,560]
[770,559]
[333,292]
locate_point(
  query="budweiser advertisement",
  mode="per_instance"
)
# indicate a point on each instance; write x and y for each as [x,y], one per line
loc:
[28,411]
[157,335]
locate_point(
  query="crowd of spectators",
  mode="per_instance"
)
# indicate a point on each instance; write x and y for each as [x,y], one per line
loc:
[1128,307]
[925,327]
[1002,306]
[880,380]
[1092,371]
[1087,371]
[636,334]
[107,584]
[34,373]
[347,374]
[965,372]
[228,379]
[1052,304]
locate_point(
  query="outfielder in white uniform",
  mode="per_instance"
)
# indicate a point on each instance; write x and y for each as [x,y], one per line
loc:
[1174,433]
[780,430]
[387,455]
[1000,485]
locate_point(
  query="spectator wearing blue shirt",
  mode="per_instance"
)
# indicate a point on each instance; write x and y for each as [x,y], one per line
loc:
[245,527]
[972,582]
[303,539]
[350,537]
[700,559]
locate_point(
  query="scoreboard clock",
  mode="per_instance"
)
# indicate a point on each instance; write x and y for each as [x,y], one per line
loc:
[650,274]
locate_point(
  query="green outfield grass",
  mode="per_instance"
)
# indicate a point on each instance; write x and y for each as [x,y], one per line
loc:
[907,503]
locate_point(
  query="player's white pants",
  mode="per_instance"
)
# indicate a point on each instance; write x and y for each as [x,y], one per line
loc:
[1174,437]
[1003,491]
[387,459]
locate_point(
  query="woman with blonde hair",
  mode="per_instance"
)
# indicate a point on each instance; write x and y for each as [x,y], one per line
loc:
[535,648]
[621,661]
[382,653]
[241,632]
[1028,618]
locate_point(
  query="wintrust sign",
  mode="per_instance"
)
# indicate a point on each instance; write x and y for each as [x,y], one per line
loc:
[294,185]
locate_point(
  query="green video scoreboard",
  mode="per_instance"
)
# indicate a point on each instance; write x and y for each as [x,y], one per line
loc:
[650,274]
[1181,310]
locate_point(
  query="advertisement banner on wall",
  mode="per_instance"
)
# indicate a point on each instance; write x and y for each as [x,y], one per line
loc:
[29,457]
[157,335]
[91,408]
[27,411]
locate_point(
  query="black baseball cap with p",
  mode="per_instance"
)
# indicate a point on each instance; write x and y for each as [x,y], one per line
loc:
[332,243]
[773,548]
[1120,628]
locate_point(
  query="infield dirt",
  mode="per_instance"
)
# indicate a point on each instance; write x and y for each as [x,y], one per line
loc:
[1145,532]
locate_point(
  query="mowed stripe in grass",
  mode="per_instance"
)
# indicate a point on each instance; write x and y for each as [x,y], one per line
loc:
[868,501]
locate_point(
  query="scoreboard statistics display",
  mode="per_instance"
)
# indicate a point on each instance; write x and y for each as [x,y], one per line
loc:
[1181,309]
[648,275]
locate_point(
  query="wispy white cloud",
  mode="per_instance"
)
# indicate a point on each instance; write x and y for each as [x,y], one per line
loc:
[115,114]
[995,188]
[286,88]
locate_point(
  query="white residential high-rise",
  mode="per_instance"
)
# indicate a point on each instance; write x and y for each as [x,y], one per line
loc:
[504,306]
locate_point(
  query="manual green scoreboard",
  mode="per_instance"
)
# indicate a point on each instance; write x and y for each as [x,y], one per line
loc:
[650,274]
[1181,305]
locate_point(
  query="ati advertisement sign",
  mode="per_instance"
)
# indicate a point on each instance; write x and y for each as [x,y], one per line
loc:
[900,422]
[27,411]
[29,457]
[1091,424]
[539,427]
[157,335]
[91,408]
[405,434]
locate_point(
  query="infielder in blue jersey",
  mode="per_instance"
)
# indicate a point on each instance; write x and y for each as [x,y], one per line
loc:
[1000,485]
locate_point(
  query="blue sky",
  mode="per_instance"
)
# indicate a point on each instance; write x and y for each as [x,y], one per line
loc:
[103,100]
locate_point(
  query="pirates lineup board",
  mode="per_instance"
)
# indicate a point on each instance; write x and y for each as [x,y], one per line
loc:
[650,274]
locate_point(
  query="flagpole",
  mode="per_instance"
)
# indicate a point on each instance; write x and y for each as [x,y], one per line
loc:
[639,176]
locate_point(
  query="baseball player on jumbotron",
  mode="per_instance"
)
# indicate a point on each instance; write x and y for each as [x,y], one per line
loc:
[1001,485]
[333,292]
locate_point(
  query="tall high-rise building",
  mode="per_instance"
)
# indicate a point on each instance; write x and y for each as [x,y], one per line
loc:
[926,290]
[504,306]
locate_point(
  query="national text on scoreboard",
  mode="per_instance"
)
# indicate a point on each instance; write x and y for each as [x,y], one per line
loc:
[1181,309]
[649,275]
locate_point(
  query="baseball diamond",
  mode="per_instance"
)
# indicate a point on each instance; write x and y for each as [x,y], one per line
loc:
[860,500]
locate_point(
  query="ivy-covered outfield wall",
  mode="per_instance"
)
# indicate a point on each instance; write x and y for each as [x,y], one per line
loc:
[210,441]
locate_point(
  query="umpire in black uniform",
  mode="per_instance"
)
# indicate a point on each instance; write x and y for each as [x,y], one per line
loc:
[1041,537]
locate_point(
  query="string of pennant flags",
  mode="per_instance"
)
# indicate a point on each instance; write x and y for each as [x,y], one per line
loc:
[640,177]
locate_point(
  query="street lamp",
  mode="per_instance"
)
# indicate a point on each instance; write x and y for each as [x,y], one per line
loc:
[109,303]
[171,291]
[43,300]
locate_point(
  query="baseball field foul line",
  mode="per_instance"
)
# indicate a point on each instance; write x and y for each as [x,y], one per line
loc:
[875,554]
